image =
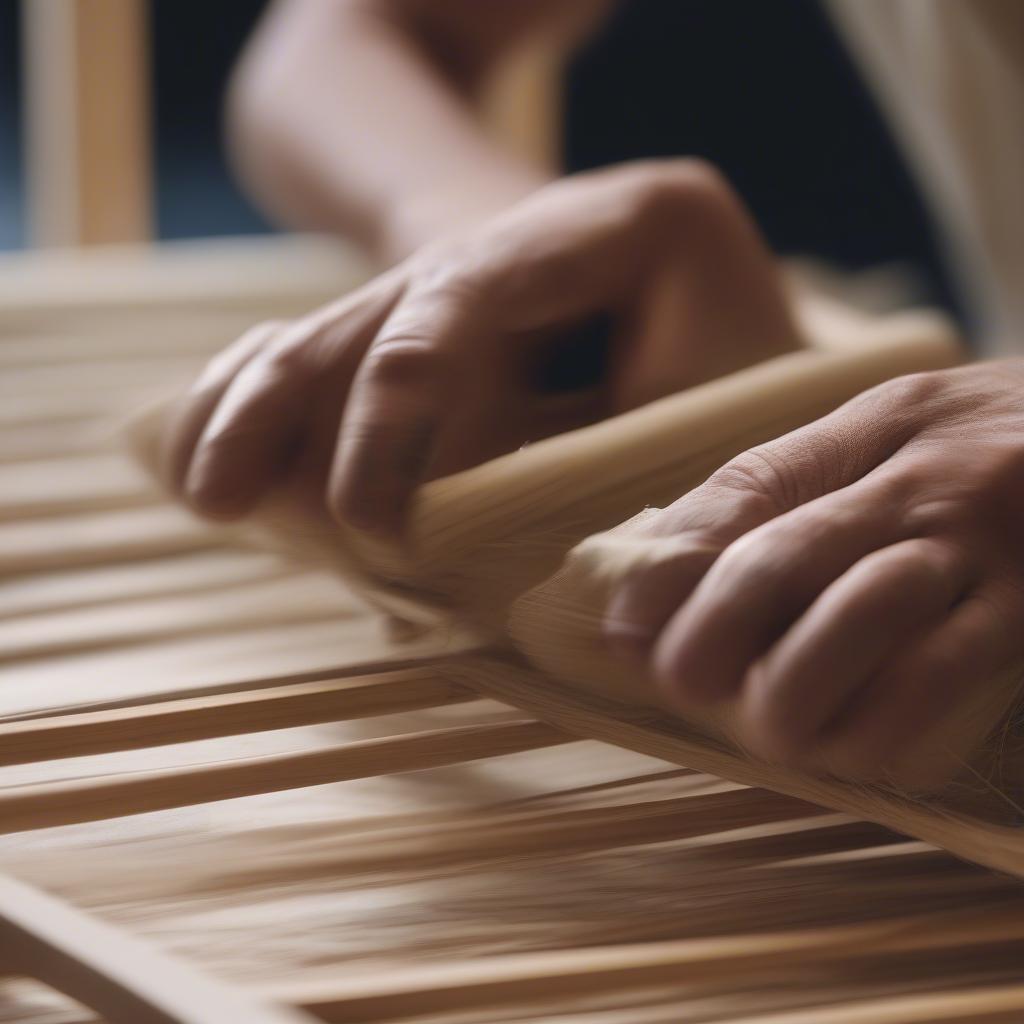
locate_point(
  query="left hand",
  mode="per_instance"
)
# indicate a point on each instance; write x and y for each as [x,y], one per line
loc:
[851,584]
[455,356]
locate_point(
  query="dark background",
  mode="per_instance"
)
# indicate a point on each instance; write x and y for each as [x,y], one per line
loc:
[761,87]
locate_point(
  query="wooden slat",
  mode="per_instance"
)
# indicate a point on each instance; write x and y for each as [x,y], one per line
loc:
[87,89]
[197,574]
[995,1004]
[512,980]
[101,538]
[488,837]
[49,804]
[232,714]
[64,486]
[122,979]
[296,597]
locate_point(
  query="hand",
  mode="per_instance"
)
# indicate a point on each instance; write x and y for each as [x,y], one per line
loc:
[440,363]
[852,584]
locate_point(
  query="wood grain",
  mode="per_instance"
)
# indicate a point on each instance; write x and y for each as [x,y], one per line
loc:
[50,804]
[230,714]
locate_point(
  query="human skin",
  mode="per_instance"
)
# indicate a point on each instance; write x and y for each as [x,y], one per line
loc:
[360,117]
[846,585]
[850,585]
[431,367]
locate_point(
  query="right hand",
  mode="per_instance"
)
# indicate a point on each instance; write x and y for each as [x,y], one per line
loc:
[433,367]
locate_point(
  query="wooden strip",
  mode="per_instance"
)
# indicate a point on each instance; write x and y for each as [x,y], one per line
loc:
[648,732]
[106,378]
[83,408]
[195,573]
[202,718]
[998,1003]
[294,598]
[313,673]
[272,276]
[96,343]
[124,980]
[240,659]
[65,803]
[49,440]
[481,838]
[64,486]
[87,115]
[522,978]
[101,538]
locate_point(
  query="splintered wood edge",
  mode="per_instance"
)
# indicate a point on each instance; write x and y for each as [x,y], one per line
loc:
[230,714]
[124,980]
[66,803]
[640,729]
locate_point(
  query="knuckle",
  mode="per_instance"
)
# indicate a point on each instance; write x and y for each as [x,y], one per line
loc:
[229,360]
[685,192]
[762,563]
[909,391]
[451,277]
[757,480]
[402,361]
[286,359]
[922,563]
[688,181]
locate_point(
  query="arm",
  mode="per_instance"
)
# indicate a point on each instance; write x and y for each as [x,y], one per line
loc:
[357,116]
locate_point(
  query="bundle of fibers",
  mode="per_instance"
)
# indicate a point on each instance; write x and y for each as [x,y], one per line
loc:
[512,550]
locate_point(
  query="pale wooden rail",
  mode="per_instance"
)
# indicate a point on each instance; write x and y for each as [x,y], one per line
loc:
[87,121]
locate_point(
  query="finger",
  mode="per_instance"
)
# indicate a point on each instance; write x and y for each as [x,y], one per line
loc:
[837,647]
[257,425]
[406,391]
[761,584]
[748,492]
[190,415]
[960,662]
[651,593]
[680,543]
[832,452]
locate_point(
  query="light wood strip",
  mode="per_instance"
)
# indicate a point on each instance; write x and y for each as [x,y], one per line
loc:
[241,659]
[996,1004]
[647,732]
[101,538]
[200,718]
[102,378]
[511,980]
[195,573]
[87,119]
[254,277]
[49,441]
[481,838]
[49,804]
[124,980]
[294,598]
[83,408]
[97,342]
[65,486]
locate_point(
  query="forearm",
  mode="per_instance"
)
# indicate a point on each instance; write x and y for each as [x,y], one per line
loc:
[340,121]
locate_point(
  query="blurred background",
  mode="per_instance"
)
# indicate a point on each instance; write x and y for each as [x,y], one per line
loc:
[761,87]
